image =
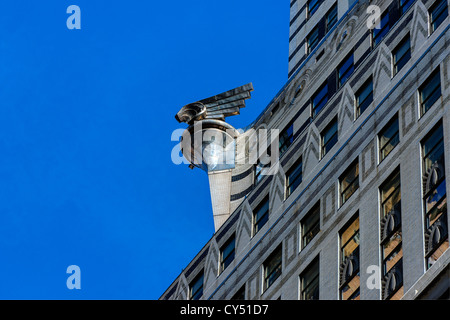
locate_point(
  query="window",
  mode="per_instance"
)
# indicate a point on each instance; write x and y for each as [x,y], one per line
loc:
[435,195]
[310,225]
[196,287]
[312,40]
[331,18]
[379,33]
[313,5]
[261,215]
[345,70]
[309,282]
[364,97]
[389,138]
[262,168]
[404,5]
[272,267]
[227,253]
[438,13]
[401,54]
[294,177]
[392,262]
[391,238]
[319,99]
[350,277]
[430,91]
[329,137]
[240,294]
[286,138]
[349,182]
[390,194]
[260,171]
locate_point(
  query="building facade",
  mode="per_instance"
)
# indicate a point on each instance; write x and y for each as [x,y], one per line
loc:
[356,205]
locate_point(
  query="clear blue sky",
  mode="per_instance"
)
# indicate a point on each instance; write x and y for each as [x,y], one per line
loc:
[86,118]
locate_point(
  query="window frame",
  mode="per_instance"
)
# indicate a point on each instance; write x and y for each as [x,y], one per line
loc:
[383,201]
[240,294]
[395,137]
[355,180]
[343,78]
[404,8]
[424,105]
[264,217]
[310,11]
[330,13]
[311,46]
[434,214]
[288,138]
[342,246]
[367,101]
[324,146]
[293,169]
[276,268]
[312,218]
[314,282]
[396,233]
[226,261]
[317,107]
[396,66]
[199,292]
[260,168]
[378,35]
[432,24]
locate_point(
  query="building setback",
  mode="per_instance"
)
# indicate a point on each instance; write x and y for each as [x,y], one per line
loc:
[356,205]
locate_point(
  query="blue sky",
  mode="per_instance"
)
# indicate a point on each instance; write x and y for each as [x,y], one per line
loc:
[86,117]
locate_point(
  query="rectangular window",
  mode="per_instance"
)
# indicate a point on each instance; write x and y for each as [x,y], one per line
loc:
[435,195]
[312,40]
[393,266]
[260,170]
[349,182]
[350,277]
[313,5]
[286,138]
[319,99]
[309,282]
[227,253]
[388,138]
[345,70]
[404,5]
[310,225]
[196,287]
[272,267]
[294,177]
[332,18]
[262,166]
[391,237]
[364,97]
[329,137]
[390,195]
[381,30]
[261,215]
[240,294]
[430,91]
[438,13]
[401,54]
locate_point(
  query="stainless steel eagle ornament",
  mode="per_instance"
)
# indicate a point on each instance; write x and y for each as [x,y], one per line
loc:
[209,143]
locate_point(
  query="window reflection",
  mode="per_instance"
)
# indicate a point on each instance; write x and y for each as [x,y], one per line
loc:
[435,192]
[349,241]
[391,246]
